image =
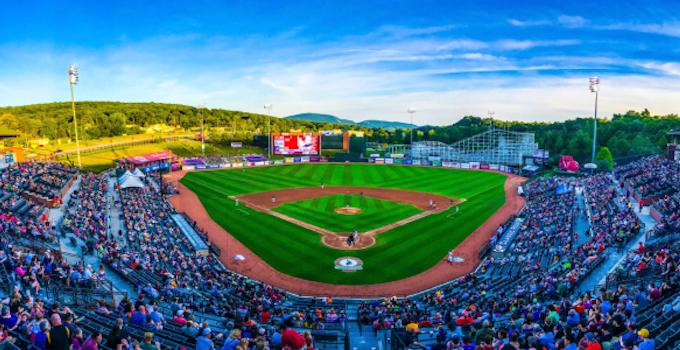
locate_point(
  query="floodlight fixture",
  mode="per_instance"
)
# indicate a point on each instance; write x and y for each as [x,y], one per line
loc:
[594,87]
[73,78]
[411,111]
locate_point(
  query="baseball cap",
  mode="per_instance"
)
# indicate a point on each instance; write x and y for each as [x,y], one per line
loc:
[643,333]
[206,331]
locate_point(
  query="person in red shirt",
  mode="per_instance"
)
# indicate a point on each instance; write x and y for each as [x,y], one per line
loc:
[265,316]
[292,340]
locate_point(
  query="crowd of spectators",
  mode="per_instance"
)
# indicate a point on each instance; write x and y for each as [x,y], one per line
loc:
[524,297]
[611,214]
[669,207]
[44,180]
[25,190]
[538,306]
[86,215]
[651,176]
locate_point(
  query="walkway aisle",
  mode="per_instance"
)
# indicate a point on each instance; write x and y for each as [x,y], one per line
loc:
[582,224]
[73,254]
[364,340]
[614,257]
[115,222]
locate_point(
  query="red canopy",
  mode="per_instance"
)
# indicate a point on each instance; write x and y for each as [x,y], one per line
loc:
[151,157]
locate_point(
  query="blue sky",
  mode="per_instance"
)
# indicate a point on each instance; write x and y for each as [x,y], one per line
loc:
[355,59]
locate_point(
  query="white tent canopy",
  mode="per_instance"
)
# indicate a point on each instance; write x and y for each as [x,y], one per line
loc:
[130,181]
[138,173]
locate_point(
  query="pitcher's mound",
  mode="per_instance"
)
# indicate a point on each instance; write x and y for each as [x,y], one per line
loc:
[348,210]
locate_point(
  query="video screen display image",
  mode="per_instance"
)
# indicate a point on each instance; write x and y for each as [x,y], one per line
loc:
[296,144]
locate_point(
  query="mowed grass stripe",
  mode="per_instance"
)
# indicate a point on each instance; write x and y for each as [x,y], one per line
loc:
[397,254]
[375,212]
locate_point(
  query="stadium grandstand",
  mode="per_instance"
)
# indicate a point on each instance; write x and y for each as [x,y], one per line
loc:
[495,146]
[230,211]
[587,260]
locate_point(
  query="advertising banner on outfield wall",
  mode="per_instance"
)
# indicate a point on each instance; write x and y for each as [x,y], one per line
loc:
[484,166]
[465,165]
[289,160]
[447,164]
[297,160]
[416,162]
[237,165]
[437,163]
[493,166]
[398,161]
[389,161]
[260,163]
[474,165]
[407,162]
[188,167]
[304,159]
[208,166]
[379,160]
[279,161]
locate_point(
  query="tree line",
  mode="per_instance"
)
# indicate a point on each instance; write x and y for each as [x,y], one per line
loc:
[626,135]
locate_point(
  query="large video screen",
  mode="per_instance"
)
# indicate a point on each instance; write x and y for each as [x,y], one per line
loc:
[298,144]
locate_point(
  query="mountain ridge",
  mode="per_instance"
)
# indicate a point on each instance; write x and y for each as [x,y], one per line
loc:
[328,118]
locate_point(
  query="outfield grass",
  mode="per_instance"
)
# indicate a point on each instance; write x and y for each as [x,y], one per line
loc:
[375,212]
[399,253]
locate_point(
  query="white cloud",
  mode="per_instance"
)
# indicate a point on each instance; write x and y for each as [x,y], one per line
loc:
[666,68]
[529,44]
[668,29]
[520,23]
[402,32]
[572,21]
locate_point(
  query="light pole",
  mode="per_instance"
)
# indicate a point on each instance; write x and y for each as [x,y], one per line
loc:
[491,114]
[411,111]
[202,132]
[594,87]
[73,80]
[268,108]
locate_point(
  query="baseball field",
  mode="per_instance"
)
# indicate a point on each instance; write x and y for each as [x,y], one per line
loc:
[398,252]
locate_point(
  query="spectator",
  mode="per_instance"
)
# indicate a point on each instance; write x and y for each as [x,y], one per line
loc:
[59,337]
[92,343]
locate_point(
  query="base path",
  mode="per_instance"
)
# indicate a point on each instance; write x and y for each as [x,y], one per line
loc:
[266,201]
[186,201]
[418,199]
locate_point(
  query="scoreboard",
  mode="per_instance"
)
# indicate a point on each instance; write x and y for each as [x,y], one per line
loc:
[296,144]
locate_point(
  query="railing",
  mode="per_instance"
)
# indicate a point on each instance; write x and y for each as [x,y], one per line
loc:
[84,296]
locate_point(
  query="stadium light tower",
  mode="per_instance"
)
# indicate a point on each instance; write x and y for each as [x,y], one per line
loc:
[73,80]
[268,108]
[594,87]
[202,131]
[411,111]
